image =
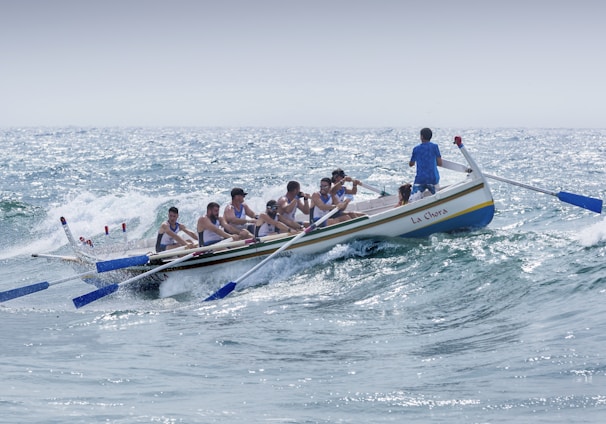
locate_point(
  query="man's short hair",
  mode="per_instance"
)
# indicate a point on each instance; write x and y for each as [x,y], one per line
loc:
[292,185]
[426,134]
[212,205]
[173,209]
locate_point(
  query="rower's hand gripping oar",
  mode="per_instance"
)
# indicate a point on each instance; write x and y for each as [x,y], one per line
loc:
[589,203]
[107,290]
[229,287]
[33,288]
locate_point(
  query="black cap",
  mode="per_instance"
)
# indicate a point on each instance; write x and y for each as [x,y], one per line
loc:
[237,191]
[338,172]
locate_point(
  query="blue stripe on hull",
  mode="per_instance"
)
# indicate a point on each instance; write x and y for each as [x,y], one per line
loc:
[476,219]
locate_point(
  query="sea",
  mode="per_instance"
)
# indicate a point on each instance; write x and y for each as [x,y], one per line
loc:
[503,324]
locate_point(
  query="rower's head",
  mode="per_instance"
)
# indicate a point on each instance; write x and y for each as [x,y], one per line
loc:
[212,210]
[325,184]
[237,191]
[272,207]
[337,175]
[426,134]
[173,214]
[404,192]
[293,187]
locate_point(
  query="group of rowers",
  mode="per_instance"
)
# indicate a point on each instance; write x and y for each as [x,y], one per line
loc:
[240,222]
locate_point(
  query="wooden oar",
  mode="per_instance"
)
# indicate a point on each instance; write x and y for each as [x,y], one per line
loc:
[229,287]
[590,203]
[33,288]
[376,190]
[109,289]
[59,257]
[129,261]
[459,167]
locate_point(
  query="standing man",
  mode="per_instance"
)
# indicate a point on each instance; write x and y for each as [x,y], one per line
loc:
[168,237]
[427,158]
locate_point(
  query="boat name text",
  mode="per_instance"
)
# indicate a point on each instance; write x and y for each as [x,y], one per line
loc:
[429,215]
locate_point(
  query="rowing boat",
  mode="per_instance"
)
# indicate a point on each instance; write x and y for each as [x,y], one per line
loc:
[465,205]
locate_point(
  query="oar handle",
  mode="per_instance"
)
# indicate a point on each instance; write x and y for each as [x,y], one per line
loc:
[159,268]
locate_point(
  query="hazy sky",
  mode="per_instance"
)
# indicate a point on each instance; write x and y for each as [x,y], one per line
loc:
[375,63]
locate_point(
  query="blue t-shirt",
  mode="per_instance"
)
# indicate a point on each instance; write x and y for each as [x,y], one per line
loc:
[425,156]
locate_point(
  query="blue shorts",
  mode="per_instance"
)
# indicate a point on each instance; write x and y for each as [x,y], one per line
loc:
[423,187]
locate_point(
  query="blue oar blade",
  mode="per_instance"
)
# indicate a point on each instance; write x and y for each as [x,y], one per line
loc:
[594,205]
[22,291]
[87,298]
[222,292]
[110,265]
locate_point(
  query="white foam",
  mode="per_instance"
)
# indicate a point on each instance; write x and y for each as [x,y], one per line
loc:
[593,235]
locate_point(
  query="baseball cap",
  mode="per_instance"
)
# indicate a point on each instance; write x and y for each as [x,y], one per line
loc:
[338,172]
[237,191]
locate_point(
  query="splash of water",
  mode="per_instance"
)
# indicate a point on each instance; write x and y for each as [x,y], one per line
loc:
[593,235]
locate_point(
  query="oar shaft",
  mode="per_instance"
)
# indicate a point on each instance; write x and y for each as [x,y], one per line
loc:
[229,287]
[62,258]
[73,277]
[519,184]
[585,202]
[376,190]
[289,243]
[462,168]
[260,264]
[159,268]
[459,167]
